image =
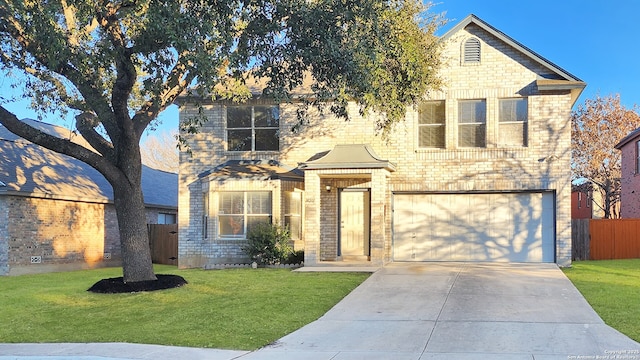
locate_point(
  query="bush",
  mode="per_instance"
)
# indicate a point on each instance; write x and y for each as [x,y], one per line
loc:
[268,244]
[296,257]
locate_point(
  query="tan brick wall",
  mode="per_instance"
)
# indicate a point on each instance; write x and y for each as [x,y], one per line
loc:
[66,235]
[543,165]
[4,236]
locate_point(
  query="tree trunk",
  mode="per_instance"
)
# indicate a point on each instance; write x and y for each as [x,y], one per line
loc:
[134,239]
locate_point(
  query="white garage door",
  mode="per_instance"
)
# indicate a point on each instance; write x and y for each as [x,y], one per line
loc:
[509,227]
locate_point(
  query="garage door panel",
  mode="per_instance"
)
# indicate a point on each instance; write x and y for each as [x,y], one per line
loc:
[516,227]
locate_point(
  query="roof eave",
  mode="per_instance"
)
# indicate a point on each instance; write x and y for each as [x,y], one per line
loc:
[575,87]
[627,139]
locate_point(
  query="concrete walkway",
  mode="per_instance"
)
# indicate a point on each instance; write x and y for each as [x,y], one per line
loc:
[420,311]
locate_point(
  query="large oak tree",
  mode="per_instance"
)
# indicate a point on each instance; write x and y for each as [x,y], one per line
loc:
[118,63]
[596,127]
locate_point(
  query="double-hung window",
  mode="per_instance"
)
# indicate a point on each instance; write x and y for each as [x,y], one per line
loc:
[513,116]
[638,157]
[472,123]
[240,210]
[253,128]
[431,124]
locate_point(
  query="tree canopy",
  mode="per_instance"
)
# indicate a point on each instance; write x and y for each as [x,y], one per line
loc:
[116,64]
[596,127]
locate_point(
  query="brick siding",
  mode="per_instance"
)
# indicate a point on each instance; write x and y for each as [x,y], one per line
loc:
[542,165]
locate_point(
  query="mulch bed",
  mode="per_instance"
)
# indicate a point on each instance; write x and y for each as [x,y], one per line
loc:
[117,285]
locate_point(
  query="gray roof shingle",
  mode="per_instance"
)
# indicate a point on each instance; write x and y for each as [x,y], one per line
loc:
[31,170]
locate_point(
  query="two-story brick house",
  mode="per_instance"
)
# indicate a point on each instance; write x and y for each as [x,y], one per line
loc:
[630,177]
[480,171]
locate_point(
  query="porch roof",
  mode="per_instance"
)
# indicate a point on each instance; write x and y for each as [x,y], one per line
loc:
[253,170]
[349,156]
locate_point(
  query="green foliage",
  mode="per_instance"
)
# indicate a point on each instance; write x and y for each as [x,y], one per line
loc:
[296,257]
[612,288]
[268,244]
[241,309]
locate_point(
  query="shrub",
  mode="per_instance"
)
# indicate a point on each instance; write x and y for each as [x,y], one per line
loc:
[268,244]
[296,257]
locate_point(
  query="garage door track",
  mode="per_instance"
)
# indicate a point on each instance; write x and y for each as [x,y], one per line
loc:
[458,311]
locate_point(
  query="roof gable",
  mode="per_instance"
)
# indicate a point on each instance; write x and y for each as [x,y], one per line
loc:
[473,19]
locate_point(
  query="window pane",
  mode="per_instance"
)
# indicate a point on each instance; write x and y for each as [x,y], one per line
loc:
[513,134]
[471,135]
[259,202]
[513,110]
[266,116]
[239,140]
[267,140]
[431,136]
[293,203]
[238,116]
[232,225]
[253,220]
[472,111]
[231,203]
[431,112]
[294,224]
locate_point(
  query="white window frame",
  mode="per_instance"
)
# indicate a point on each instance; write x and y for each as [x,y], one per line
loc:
[252,127]
[523,121]
[245,214]
[431,106]
[462,121]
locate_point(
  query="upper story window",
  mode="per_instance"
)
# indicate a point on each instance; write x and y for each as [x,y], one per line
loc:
[431,124]
[638,157]
[471,51]
[253,128]
[513,119]
[472,123]
[239,210]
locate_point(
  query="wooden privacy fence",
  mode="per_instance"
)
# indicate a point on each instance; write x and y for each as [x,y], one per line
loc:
[605,239]
[163,240]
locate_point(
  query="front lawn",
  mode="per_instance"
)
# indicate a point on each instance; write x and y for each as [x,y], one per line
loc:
[612,287]
[241,309]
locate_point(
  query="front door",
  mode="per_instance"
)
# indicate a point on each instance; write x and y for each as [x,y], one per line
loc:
[354,224]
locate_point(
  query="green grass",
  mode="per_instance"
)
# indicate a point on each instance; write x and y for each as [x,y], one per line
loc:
[240,309]
[612,287]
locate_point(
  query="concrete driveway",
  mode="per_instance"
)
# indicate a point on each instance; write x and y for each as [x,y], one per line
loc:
[458,311]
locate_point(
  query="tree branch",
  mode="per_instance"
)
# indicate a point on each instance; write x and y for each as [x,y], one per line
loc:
[86,124]
[63,146]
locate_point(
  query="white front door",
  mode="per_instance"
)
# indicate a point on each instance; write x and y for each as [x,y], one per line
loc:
[354,224]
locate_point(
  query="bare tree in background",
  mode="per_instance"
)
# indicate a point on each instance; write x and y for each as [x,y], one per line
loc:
[159,151]
[596,127]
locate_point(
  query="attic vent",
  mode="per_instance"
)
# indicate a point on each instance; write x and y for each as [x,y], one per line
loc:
[471,51]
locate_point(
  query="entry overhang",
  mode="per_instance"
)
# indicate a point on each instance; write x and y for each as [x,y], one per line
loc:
[349,156]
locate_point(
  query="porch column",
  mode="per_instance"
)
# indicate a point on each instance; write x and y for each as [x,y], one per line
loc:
[379,241]
[311,218]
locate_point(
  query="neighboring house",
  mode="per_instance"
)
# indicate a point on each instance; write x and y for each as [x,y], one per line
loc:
[630,180]
[57,213]
[582,201]
[479,171]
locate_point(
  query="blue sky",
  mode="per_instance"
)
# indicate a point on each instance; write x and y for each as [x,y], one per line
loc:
[595,40]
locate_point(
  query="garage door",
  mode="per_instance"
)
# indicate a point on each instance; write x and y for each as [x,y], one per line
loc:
[509,227]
